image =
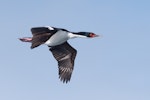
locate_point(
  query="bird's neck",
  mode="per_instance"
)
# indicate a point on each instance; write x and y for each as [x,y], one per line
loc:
[77,35]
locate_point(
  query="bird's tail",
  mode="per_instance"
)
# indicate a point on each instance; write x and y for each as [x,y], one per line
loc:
[26,39]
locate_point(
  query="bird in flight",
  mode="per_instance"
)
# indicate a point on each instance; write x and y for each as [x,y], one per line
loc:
[56,40]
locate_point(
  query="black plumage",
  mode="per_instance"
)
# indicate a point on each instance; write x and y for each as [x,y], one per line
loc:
[65,55]
[56,40]
[41,35]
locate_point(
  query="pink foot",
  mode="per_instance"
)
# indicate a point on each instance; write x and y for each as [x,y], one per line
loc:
[26,39]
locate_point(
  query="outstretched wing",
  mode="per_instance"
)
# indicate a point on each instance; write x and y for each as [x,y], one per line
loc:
[41,35]
[42,30]
[65,55]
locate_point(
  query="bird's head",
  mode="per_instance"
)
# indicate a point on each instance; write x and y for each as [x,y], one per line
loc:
[88,34]
[82,35]
[92,35]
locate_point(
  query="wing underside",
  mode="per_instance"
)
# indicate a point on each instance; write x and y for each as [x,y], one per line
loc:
[65,55]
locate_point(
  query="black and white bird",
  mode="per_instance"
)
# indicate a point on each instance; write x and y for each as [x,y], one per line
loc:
[56,40]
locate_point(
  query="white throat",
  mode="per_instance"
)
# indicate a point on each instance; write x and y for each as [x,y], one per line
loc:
[71,35]
[61,37]
[58,38]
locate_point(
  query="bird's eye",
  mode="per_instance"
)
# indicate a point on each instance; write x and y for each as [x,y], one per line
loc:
[91,35]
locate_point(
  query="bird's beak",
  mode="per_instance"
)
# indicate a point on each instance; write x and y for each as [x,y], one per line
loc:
[96,35]
[100,36]
[92,35]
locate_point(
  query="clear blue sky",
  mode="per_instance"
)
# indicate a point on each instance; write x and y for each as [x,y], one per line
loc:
[115,67]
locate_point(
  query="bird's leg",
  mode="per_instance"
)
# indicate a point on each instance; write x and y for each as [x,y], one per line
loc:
[26,39]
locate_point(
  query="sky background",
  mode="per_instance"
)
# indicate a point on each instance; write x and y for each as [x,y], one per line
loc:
[114,67]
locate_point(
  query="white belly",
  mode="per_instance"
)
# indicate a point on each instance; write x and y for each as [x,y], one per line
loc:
[58,38]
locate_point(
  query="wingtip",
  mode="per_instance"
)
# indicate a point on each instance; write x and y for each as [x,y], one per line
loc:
[64,80]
